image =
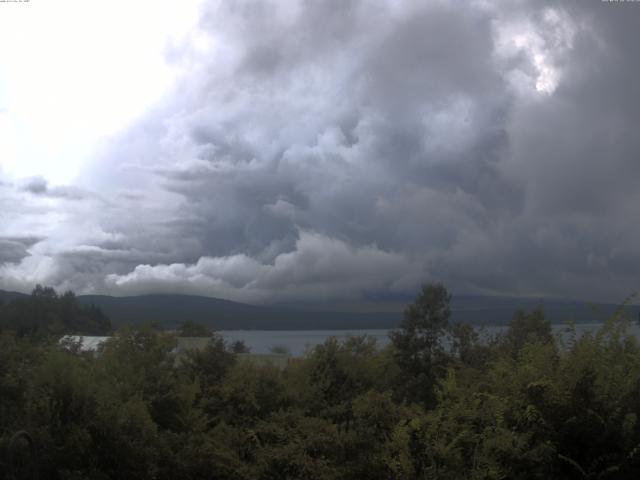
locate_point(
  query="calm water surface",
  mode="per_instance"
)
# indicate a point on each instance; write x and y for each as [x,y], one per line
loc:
[297,342]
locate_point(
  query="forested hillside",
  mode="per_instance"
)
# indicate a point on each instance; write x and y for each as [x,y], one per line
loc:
[524,405]
[45,314]
[169,311]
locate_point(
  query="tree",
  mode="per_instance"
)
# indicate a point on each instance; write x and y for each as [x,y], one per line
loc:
[240,347]
[527,327]
[418,349]
[45,314]
[280,350]
[44,292]
[189,328]
[467,347]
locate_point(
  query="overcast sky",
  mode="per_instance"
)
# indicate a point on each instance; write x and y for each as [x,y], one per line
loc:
[269,151]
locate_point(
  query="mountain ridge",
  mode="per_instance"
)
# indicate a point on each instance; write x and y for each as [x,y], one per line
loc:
[169,310]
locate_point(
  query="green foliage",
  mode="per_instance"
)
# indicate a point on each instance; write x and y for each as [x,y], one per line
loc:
[527,327]
[193,329]
[524,405]
[280,350]
[45,314]
[418,348]
[239,347]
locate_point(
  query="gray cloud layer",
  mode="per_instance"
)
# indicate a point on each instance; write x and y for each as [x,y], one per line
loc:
[334,149]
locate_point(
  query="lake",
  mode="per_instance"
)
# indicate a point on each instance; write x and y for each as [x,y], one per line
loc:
[297,342]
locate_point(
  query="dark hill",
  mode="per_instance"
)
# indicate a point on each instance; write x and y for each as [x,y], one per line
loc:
[168,311]
[8,296]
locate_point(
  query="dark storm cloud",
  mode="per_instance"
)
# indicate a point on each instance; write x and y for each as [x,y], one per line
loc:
[576,156]
[332,154]
[374,136]
[339,149]
[14,249]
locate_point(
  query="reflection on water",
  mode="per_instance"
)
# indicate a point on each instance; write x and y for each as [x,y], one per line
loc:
[297,342]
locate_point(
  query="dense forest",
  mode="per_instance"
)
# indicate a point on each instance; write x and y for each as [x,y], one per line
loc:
[46,314]
[525,404]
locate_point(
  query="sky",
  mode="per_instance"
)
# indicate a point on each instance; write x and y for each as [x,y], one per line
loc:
[271,151]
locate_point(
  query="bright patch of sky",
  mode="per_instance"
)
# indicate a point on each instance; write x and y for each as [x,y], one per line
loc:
[74,72]
[521,37]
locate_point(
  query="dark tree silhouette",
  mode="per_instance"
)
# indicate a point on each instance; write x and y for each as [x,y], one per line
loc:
[418,349]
